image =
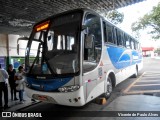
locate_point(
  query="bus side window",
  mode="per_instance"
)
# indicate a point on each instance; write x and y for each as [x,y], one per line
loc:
[119,37]
[109,33]
[104,32]
[114,36]
[132,44]
[123,39]
[138,46]
[128,42]
[135,45]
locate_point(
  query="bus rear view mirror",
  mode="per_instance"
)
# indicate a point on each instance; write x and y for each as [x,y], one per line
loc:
[89,41]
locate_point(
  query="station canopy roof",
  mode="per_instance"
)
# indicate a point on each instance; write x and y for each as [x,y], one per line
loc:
[19,16]
[147,49]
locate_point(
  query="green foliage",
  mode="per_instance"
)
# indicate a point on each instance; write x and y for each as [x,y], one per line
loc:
[157,51]
[115,17]
[151,21]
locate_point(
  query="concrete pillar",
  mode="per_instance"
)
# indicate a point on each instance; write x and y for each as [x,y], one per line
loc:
[7,47]
[3,50]
[3,45]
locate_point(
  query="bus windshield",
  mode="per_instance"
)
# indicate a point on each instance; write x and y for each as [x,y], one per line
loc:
[54,46]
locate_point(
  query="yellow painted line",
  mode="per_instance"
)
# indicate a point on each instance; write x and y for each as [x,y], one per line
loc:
[129,87]
[149,81]
[147,85]
[144,91]
[153,76]
[152,72]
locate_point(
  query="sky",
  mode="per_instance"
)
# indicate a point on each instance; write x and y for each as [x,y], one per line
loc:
[132,13]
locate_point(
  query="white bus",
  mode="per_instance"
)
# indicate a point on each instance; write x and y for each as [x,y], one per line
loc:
[76,56]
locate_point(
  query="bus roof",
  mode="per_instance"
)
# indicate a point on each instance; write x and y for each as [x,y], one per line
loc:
[84,10]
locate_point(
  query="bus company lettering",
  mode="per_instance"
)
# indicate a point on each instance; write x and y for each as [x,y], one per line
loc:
[26,114]
[34,115]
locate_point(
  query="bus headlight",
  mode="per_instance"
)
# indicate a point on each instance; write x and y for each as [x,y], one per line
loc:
[69,88]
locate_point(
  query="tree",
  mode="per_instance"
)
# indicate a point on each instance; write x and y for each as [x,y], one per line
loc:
[115,17]
[157,51]
[149,21]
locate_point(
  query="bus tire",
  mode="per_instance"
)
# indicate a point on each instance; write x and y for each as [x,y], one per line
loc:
[109,86]
[135,75]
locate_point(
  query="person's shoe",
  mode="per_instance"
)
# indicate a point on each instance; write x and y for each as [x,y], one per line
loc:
[6,107]
[21,102]
[15,99]
[33,100]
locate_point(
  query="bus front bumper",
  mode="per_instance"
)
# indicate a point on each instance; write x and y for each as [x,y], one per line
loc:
[75,98]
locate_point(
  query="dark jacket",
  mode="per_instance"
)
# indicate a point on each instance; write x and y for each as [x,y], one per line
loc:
[11,77]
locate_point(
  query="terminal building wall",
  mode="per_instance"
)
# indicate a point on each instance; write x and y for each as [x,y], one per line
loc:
[8,50]
[3,45]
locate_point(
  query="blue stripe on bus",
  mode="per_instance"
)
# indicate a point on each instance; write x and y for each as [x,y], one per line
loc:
[47,85]
[122,57]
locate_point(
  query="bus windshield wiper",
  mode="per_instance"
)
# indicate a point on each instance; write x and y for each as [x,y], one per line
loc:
[36,60]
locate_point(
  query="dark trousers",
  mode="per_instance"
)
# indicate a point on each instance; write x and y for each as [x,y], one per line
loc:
[21,95]
[13,92]
[4,89]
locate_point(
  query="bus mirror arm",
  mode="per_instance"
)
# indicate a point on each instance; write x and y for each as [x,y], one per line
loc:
[90,24]
[86,29]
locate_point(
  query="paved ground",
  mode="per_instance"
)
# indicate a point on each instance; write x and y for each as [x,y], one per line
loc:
[148,82]
[141,94]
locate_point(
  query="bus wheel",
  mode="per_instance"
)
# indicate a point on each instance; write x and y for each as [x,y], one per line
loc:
[109,86]
[136,73]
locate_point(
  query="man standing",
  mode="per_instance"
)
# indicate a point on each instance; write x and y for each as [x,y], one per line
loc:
[3,88]
[12,83]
